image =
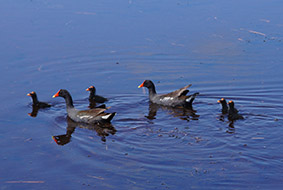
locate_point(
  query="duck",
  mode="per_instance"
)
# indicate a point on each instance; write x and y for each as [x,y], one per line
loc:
[37,104]
[177,98]
[94,97]
[91,116]
[233,112]
[223,103]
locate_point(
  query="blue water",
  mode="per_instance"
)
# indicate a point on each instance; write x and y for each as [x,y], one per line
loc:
[230,49]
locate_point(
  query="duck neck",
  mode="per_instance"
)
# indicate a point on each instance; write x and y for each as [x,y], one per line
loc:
[151,90]
[92,94]
[69,102]
[34,99]
[224,107]
[231,109]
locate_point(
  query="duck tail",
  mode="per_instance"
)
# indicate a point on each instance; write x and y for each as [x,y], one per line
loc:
[108,117]
[190,99]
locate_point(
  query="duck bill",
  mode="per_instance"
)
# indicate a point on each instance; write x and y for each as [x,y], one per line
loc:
[54,139]
[141,85]
[56,95]
[28,94]
[218,101]
[87,89]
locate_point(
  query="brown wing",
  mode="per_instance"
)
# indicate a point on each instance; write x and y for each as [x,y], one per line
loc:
[180,92]
[94,112]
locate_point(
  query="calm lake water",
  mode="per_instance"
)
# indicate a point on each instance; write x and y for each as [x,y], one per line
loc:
[230,49]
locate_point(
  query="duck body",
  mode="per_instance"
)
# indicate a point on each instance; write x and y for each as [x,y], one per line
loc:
[90,116]
[233,112]
[223,103]
[37,104]
[177,98]
[93,97]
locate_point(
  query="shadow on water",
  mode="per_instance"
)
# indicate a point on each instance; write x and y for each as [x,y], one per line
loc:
[102,130]
[181,113]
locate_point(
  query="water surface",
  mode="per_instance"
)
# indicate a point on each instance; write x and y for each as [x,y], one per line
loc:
[225,49]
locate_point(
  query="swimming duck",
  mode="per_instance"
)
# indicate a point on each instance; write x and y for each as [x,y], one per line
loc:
[233,112]
[85,116]
[223,102]
[94,97]
[177,98]
[36,103]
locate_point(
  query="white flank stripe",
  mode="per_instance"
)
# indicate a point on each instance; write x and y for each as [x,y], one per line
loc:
[105,116]
[167,98]
[189,99]
[86,116]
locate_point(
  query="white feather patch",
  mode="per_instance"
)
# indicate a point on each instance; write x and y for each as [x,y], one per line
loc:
[166,98]
[86,116]
[188,99]
[105,116]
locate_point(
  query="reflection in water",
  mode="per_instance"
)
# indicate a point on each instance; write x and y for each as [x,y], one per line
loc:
[182,113]
[102,130]
[231,128]
[92,104]
[222,117]
[34,111]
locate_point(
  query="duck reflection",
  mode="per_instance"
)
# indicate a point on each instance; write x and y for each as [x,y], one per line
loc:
[223,117]
[34,111]
[92,104]
[102,129]
[230,129]
[66,138]
[181,113]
